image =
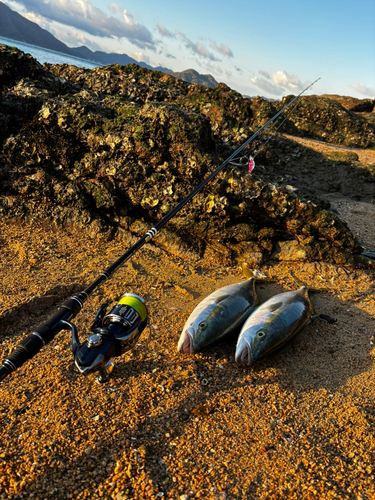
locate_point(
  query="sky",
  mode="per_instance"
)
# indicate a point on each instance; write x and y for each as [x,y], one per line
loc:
[269,48]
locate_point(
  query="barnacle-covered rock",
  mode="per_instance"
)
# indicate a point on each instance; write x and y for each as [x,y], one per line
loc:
[121,146]
[325,118]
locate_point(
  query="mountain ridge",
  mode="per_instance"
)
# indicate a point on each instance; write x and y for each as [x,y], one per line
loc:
[192,76]
[17,27]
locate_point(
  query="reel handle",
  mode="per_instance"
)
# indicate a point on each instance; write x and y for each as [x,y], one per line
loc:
[42,335]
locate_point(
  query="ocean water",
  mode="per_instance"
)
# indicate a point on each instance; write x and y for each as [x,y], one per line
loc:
[49,56]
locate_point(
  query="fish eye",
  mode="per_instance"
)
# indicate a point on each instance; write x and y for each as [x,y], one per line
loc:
[203,325]
[261,334]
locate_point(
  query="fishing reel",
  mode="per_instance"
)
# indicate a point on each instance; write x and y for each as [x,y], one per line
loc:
[112,334]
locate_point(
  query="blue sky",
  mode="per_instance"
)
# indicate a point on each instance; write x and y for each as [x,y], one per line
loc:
[265,47]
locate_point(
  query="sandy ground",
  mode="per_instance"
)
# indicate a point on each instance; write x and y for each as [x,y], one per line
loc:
[300,424]
[364,155]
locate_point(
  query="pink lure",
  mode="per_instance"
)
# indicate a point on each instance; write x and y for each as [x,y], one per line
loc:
[251,164]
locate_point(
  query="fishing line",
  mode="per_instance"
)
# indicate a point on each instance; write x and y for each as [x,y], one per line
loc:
[274,133]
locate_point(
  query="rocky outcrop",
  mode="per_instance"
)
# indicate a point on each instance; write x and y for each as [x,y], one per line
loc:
[119,147]
[326,119]
[192,76]
[352,103]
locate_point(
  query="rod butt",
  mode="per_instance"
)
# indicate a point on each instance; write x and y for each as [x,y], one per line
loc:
[4,371]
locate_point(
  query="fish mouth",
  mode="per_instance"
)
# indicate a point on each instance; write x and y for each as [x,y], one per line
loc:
[185,344]
[244,354]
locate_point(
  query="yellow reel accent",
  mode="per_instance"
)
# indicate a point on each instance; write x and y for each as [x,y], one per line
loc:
[136,303]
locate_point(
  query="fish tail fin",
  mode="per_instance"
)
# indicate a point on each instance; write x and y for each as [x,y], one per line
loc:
[304,291]
[327,318]
[247,271]
[297,281]
[253,273]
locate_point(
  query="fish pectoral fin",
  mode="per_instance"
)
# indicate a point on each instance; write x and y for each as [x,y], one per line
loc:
[275,306]
[221,298]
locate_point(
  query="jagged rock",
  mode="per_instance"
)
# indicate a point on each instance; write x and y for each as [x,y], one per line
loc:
[119,147]
[290,251]
[352,103]
[326,119]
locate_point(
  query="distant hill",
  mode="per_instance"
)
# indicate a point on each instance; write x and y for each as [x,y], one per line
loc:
[192,76]
[17,27]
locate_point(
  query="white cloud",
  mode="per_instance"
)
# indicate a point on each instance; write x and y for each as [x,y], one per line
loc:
[279,83]
[81,14]
[197,48]
[265,74]
[289,82]
[115,8]
[35,18]
[72,37]
[222,49]
[362,89]
[163,31]
[266,85]
[140,57]
[212,68]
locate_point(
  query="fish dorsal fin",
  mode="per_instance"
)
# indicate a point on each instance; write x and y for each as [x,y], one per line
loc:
[296,280]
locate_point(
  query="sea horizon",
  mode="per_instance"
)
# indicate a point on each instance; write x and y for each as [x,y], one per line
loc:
[43,55]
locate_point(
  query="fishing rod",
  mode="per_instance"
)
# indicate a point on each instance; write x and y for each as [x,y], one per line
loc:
[117,330]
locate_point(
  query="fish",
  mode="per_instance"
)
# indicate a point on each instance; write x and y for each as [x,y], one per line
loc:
[273,323]
[218,315]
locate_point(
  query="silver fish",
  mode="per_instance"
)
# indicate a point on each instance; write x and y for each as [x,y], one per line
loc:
[272,325]
[218,315]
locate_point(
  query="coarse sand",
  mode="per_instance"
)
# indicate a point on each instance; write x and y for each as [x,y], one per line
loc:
[299,425]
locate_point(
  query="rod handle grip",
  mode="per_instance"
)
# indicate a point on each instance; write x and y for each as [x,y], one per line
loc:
[43,334]
[25,350]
